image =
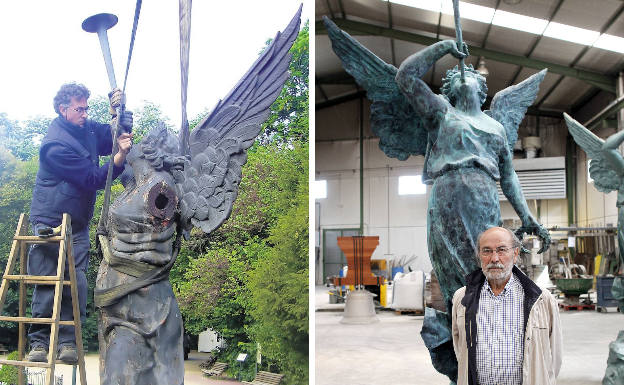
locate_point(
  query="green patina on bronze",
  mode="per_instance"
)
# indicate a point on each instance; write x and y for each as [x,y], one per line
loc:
[607,170]
[466,151]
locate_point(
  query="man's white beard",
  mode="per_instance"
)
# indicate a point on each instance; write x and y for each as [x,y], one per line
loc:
[498,276]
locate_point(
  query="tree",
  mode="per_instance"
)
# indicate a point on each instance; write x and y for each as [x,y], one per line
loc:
[146,118]
[216,274]
[288,121]
[212,274]
[17,180]
[10,374]
[278,285]
[22,140]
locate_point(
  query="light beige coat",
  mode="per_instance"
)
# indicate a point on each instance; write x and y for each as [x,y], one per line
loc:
[542,341]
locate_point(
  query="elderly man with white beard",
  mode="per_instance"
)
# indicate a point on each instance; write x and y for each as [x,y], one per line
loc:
[506,330]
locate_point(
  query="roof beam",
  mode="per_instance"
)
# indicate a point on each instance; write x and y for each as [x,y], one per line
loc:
[610,109]
[391,40]
[601,81]
[335,79]
[361,93]
[578,57]
[535,43]
[340,100]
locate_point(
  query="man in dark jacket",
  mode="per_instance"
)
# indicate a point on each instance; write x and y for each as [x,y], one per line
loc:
[67,181]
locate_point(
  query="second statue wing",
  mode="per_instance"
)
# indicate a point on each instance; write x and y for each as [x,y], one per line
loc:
[605,178]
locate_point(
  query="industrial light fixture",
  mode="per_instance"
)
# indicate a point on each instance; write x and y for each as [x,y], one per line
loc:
[512,2]
[482,69]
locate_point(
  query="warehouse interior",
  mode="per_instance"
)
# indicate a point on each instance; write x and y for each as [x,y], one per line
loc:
[359,190]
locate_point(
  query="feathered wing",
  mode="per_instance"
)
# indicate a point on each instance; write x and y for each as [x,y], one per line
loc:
[510,105]
[400,130]
[605,178]
[209,182]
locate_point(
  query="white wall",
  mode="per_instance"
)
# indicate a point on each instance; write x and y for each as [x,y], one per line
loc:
[399,221]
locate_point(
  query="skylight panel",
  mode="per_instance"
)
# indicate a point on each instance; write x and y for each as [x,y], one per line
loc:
[470,11]
[519,22]
[429,5]
[466,10]
[570,33]
[610,42]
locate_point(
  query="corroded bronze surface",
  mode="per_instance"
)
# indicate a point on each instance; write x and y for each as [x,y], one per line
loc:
[167,192]
[607,171]
[466,151]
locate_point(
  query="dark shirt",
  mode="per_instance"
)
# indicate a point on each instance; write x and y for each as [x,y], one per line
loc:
[70,166]
[69,172]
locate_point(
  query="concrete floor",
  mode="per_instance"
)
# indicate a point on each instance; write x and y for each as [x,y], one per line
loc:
[392,352]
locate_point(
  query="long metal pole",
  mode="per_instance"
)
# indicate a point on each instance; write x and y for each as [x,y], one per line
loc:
[458,32]
[361,166]
[185,41]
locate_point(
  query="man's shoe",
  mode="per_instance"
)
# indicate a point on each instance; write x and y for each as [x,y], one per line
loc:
[38,353]
[67,353]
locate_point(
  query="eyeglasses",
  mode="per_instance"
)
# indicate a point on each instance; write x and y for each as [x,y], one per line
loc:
[487,252]
[81,110]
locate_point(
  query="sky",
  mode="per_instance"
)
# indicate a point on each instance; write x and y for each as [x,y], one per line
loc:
[44,46]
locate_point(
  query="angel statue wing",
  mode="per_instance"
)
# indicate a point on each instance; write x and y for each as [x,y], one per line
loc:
[606,179]
[401,132]
[510,105]
[218,145]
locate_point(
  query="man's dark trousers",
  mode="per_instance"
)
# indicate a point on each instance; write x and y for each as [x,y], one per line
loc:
[43,260]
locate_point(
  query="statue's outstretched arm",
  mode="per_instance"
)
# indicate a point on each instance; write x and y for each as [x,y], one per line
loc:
[424,101]
[510,185]
[611,153]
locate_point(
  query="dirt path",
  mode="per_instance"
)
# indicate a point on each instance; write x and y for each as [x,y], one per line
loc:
[192,374]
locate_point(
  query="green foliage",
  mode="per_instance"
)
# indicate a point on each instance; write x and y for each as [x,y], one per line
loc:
[212,275]
[8,373]
[99,109]
[17,180]
[279,292]
[288,121]
[146,118]
[248,279]
[22,139]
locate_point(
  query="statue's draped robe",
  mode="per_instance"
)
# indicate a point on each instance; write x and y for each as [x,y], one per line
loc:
[141,334]
[463,166]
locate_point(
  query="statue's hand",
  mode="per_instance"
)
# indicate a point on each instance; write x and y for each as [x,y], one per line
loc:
[534,228]
[455,51]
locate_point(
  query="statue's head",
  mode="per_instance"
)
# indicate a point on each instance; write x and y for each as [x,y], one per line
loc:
[450,92]
[158,151]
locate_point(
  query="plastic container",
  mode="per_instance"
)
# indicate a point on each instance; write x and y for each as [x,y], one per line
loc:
[409,291]
[395,270]
[603,289]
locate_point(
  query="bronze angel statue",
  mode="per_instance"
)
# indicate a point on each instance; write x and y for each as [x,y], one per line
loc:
[165,194]
[607,170]
[466,151]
